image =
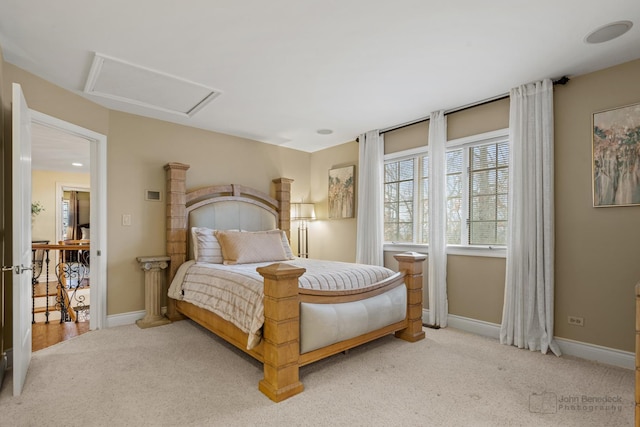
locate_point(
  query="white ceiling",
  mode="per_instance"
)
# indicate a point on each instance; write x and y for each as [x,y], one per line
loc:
[287,68]
[56,150]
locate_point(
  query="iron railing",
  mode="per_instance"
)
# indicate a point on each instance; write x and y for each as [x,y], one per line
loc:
[72,275]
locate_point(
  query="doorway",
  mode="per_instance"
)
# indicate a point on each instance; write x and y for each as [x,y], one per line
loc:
[76,163]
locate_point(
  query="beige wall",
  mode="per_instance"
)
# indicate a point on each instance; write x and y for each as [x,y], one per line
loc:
[47,98]
[597,249]
[596,263]
[475,284]
[138,149]
[483,118]
[406,138]
[43,190]
[471,121]
[332,239]
[44,97]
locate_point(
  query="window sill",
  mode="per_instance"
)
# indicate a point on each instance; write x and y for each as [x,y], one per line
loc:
[481,251]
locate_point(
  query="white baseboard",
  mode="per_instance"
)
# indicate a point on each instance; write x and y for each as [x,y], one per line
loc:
[122,319]
[597,353]
[128,318]
[593,352]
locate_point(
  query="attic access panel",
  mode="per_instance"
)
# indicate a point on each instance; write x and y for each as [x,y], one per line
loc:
[119,80]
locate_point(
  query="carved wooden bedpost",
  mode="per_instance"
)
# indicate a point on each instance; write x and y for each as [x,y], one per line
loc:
[176,225]
[281,333]
[637,416]
[411,264]
[283,195]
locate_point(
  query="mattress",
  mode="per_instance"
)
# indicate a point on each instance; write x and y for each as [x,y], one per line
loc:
[235,293]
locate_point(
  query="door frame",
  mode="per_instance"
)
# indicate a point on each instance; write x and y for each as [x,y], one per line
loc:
[61,187]
[98,215]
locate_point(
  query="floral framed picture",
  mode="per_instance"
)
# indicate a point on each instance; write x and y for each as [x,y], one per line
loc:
[616,157]
[342,192]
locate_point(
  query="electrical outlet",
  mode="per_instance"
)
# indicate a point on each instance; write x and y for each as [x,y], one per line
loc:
[576,321]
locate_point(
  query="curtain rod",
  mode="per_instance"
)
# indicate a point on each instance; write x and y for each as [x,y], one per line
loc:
[561,81]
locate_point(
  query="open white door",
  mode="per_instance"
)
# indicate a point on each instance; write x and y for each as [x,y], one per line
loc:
[21,177]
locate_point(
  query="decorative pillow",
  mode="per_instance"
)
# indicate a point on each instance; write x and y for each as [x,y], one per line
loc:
[248,247]
[285,242]
[85,233]
[206,247]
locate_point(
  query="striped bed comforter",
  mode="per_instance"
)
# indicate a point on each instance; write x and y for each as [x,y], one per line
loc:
[235,292]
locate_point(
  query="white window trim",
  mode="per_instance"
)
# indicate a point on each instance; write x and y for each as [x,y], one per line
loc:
[400,155]
[480,251]
[487,137]
[496,251]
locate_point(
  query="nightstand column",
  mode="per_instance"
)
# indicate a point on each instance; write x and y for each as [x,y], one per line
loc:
[153,267]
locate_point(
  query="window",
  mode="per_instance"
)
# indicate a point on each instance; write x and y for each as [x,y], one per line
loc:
[477,187]
[406,185]
[399,200]
[477,183]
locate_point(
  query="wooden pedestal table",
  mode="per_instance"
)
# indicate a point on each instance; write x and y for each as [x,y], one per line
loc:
[153,267]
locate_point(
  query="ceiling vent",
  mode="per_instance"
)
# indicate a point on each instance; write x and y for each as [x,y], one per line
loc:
[121,81]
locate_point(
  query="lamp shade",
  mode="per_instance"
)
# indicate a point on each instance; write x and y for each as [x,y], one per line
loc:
[302,211]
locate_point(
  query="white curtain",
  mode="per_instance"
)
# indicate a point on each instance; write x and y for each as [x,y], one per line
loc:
[527,317]
[438,305]
[370,224]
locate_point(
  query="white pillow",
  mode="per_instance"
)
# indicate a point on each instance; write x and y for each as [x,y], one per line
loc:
[287,248]
[206,247]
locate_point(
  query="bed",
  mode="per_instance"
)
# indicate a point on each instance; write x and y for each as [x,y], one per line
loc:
[297,319]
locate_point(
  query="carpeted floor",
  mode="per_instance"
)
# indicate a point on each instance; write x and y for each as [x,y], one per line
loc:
[180,374]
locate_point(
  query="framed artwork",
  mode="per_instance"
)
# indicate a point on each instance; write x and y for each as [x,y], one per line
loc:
[616,157]
[342,192]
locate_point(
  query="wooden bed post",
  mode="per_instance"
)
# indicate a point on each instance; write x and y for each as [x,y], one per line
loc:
[283,195]
[281,333]
[411,264]
[637,414]
[176,225]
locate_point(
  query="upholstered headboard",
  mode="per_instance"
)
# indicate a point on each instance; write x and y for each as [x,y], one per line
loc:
[222,207]
[233,214]
[236,214]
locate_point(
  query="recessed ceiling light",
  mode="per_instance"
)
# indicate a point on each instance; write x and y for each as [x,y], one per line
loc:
[608,32]
[324,131]
[76,164]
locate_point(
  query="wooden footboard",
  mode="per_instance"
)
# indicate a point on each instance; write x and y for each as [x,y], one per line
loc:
[281,331]
[411,265]
[279,350]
